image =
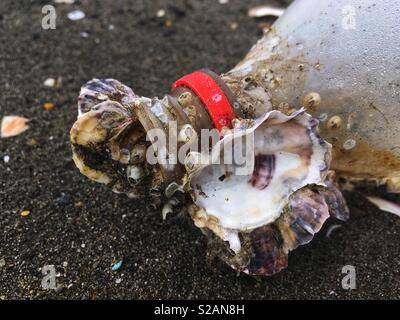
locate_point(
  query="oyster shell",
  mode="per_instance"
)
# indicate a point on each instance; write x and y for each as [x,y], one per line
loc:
[275,202]
[108,144]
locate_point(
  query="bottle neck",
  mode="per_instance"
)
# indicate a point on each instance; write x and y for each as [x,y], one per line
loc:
[198,101]
[250,93]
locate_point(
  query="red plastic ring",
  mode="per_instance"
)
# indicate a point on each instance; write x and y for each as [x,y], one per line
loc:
[211,95]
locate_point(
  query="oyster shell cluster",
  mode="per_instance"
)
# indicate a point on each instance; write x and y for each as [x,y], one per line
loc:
[108,143]
[261,191]
[254,213]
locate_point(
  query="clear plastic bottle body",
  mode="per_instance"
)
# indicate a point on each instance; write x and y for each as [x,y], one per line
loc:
[348,52]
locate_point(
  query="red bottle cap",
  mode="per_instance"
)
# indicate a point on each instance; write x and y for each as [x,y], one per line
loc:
[211,95]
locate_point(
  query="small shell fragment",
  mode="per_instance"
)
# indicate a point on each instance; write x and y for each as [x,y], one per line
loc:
[385,205]
[234,25]
[50,82]
[76,15]
[65,1]
[160,13]
[53,83]
[48,106]
[331,229]
[25,213]
[31,142]
[263,11]
[116,266]
[13,126]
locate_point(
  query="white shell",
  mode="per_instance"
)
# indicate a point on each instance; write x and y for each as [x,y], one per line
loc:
[224,191]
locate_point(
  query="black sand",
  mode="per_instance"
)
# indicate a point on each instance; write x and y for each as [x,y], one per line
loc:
[83,223]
